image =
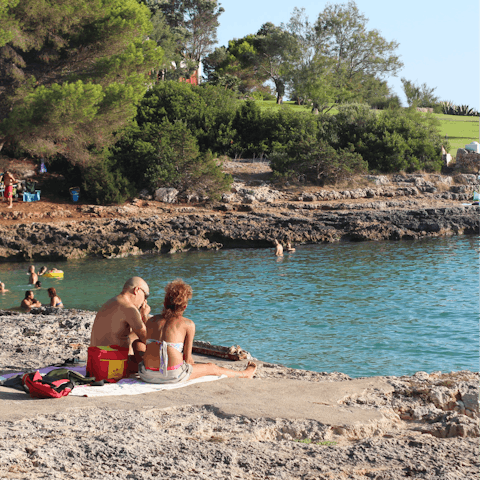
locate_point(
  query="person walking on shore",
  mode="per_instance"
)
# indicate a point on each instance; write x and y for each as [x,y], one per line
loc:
[168,357]
[121,320]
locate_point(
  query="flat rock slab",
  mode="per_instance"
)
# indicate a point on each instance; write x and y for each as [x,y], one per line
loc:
[267,398]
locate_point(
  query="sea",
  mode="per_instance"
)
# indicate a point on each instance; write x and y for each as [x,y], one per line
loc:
[364,309]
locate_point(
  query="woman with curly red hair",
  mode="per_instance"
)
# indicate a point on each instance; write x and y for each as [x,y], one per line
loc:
[168,356]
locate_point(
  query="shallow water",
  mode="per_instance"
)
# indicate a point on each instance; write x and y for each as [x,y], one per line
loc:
[386,308]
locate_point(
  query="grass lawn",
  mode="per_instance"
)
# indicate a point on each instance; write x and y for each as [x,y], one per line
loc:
[458,130]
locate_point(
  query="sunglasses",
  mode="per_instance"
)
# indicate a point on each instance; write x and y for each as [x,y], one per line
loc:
[144,292]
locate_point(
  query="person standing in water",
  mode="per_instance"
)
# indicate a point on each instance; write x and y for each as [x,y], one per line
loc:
[278,248]
[33,276]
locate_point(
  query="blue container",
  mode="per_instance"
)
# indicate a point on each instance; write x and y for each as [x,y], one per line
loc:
[31,197]
[75,196]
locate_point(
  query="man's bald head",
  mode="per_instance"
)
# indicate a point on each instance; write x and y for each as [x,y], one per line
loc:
[136,282]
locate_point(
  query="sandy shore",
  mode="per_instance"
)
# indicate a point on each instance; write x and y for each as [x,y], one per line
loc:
[283,424]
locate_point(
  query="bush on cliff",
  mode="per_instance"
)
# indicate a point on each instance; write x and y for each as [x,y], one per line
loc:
[390,141]
[259,133]
[313,159]
[167,155]
[208,111]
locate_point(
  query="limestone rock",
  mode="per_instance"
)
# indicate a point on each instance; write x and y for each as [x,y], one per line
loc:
[166,195]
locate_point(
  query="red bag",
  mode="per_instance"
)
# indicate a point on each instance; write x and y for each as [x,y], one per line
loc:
[107,363]
[40,388]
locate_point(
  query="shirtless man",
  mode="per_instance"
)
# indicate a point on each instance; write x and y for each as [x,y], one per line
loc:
[33,276]
[121,320]
[278,249]
[30,302]
[8,180]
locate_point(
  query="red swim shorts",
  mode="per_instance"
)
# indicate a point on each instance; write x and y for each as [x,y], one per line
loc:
[8,191]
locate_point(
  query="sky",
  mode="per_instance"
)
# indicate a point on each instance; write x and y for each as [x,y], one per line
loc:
[439,39]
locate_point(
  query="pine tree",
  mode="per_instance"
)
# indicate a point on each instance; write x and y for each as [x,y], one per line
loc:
[71,73]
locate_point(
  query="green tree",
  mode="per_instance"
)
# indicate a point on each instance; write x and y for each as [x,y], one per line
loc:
[274,46]
[193,24]
[71,73]
[358,53]
[235,61]
[419,95]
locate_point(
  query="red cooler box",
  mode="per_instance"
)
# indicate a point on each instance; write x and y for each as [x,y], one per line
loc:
[109,363]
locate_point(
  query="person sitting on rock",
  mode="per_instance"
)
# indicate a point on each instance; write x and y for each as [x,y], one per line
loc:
[29,301]
[278,248]
[33,276]
[168,357]
[55,300]
[2,288]
[121,321]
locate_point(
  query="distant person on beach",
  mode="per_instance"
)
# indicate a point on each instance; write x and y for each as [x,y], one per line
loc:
[289,247]
[168,357]
[8,180]
[121,320]
[55,300]
[33,276]
[278,248]
[29,301]
[38,284]
[2,288]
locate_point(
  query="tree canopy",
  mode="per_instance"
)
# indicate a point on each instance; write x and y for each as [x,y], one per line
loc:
[336,59]
[193,26]
[71,72]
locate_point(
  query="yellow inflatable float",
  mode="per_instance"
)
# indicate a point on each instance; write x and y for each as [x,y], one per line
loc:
[54,274]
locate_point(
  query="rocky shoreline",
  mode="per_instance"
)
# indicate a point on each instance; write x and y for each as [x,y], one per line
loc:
[426,427]
[250,216]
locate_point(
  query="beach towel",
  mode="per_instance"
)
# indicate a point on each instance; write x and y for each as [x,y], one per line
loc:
[135,386]
[125,386]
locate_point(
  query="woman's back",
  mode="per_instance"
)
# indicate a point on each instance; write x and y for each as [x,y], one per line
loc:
[172,331]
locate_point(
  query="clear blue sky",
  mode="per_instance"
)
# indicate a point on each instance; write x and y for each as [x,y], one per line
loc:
[439,39]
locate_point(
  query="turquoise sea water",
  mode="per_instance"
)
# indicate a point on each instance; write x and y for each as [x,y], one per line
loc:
[387,308]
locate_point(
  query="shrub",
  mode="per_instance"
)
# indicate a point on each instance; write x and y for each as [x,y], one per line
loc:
[383,103]
[313,159]
[207,111]
[104,184]
[250,138]
[392,140]
[167,155]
